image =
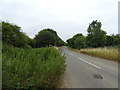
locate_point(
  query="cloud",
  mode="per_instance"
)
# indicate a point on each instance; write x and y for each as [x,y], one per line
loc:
[67,17]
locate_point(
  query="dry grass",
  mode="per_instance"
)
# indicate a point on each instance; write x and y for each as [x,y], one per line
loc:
[110,53]
[76,50]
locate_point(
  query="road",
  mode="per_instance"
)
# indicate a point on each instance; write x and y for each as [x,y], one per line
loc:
[85,71]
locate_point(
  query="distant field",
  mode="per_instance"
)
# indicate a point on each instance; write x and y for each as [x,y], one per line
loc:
[28,68]
[110,53]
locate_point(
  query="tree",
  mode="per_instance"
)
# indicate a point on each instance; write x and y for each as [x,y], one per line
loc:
[48,37]
[80,42]
[12,35]
[96,37]
[77,41]
[110,40]
[32,43]
[113,40]
[117,39]
[70,42]
[45,39]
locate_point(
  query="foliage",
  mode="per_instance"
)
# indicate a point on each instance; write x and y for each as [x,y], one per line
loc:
[32,43]
[45,39]
[48,37]
[77,41]
[96,37]
[12,35]
[113,40]
[29,68]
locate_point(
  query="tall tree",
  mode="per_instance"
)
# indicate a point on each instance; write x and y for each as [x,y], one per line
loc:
[96,36]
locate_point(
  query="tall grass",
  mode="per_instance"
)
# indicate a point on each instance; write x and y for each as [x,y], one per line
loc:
[28,68]
[110,53]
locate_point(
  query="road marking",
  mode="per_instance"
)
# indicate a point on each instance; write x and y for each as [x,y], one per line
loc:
[71,54]
[89,63]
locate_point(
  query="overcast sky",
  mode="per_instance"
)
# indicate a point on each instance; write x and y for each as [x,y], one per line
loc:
[67,17]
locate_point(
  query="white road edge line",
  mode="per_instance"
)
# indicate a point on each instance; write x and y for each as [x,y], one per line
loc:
[89,63]
[71,54]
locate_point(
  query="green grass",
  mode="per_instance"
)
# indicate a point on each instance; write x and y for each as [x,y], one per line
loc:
[31,68]
[110,53]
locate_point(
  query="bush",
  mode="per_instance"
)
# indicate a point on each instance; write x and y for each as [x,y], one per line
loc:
[28,68]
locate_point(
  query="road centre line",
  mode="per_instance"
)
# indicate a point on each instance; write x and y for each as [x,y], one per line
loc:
[89,63]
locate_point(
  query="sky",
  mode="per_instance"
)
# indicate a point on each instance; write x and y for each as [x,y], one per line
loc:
[66,17]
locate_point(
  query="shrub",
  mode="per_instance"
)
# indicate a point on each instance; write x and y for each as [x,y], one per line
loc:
[28,68]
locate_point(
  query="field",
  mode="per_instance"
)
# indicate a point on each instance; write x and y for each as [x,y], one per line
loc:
[31,68]
[110,53]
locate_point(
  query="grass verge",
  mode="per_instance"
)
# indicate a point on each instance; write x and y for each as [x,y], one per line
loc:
[110,53]
[31,68]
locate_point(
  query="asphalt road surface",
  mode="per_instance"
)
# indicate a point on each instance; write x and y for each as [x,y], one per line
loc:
[85,71]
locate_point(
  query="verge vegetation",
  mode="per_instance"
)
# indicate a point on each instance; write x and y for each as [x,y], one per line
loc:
[31,68]
[110,53]
[96,42]
[30,63]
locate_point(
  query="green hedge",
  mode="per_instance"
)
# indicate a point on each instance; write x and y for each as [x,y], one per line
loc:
[28,68]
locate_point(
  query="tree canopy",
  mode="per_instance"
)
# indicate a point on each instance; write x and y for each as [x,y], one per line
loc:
[96,37]
[77,41]
[12,35]
[48,37]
